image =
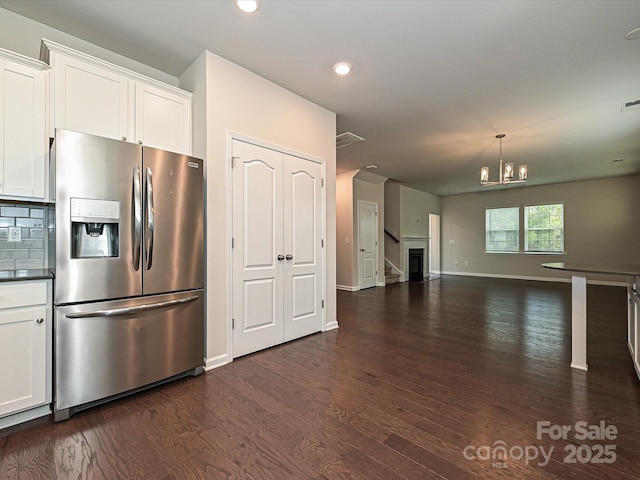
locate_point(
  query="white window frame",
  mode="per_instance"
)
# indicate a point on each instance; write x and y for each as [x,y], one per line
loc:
[487,231]
[526,230]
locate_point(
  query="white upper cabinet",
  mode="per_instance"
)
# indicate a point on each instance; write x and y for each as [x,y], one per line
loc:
[93,96]
[90,99]
[163,119]
[24,151]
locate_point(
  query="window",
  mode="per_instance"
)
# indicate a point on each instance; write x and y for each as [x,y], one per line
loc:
[544,228]
[502,229]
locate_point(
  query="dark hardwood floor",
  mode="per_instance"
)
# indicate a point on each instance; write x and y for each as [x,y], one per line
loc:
[445,379]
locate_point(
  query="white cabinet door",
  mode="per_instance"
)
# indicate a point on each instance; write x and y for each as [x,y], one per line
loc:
[90,99]
[278,260]
[23,136]
[23,349]
[163,119]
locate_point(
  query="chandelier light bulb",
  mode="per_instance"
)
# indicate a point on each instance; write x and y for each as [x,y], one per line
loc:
[508,170]
[484,175]
[522,172]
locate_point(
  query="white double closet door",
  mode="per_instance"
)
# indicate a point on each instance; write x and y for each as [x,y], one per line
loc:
[277,247]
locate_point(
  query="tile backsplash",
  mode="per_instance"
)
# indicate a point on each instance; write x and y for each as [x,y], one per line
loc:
[30,251]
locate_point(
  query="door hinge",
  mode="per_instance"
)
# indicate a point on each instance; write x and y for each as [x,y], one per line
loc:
[233,161]
[233,242]
[322,303]
[233,323]
[322,243]
[322,182]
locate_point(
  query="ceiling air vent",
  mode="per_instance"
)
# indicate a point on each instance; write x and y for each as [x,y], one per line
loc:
[627,106]
[347,138]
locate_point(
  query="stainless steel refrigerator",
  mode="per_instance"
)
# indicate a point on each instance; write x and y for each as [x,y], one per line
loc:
[129,268]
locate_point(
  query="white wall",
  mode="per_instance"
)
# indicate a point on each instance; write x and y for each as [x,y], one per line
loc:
[22,35]
[392,221]
[406,215]
[367,191]
[240,101]
[602,227]
[351,187]
[346,267]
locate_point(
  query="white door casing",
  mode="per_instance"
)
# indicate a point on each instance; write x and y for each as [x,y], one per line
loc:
[367,244]
[434,244]
[277,265]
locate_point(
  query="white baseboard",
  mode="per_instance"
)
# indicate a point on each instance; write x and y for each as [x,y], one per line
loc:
[537,279]
[21,417]
[394,269]
[330,326]
[215,362]
[347,288]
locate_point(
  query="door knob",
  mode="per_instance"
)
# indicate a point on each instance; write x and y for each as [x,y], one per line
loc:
[40,321]
[289,256]
[280,257]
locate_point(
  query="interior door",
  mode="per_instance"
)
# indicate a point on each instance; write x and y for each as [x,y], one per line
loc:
[258,255]
[302,247]
[367,244]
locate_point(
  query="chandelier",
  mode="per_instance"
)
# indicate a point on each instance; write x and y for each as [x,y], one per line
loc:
[506,171]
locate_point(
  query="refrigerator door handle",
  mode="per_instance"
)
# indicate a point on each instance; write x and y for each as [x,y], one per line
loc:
[128,310]
[136,218]
[150,218]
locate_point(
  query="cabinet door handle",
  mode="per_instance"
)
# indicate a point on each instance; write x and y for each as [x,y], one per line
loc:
[39,321]
[280,257]
[124,139]
[139,142]
[289,256]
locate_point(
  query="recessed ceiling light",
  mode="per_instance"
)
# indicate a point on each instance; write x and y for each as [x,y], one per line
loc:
[248,6]
[633,34]
[342,68]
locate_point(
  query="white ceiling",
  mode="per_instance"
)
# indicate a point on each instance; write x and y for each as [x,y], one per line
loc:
[433,81]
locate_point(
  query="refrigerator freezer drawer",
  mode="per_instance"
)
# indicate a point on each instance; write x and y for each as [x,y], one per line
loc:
[108,348]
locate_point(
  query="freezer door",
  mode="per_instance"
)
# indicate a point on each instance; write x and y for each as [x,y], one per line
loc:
[173,222]
[98,192]
[108,348]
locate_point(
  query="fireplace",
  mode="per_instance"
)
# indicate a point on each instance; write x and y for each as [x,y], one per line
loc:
[416,264]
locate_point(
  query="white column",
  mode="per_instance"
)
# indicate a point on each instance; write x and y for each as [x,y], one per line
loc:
[579,321]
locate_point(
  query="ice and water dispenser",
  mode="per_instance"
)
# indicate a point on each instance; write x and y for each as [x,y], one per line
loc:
[94,228]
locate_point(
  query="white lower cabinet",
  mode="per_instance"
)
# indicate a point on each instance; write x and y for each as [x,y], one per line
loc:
[25,350]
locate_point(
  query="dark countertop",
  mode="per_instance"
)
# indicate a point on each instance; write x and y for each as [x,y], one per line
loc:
[23,275]
[628,270]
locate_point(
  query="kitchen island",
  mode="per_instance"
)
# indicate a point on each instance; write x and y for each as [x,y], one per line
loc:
[579,307]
